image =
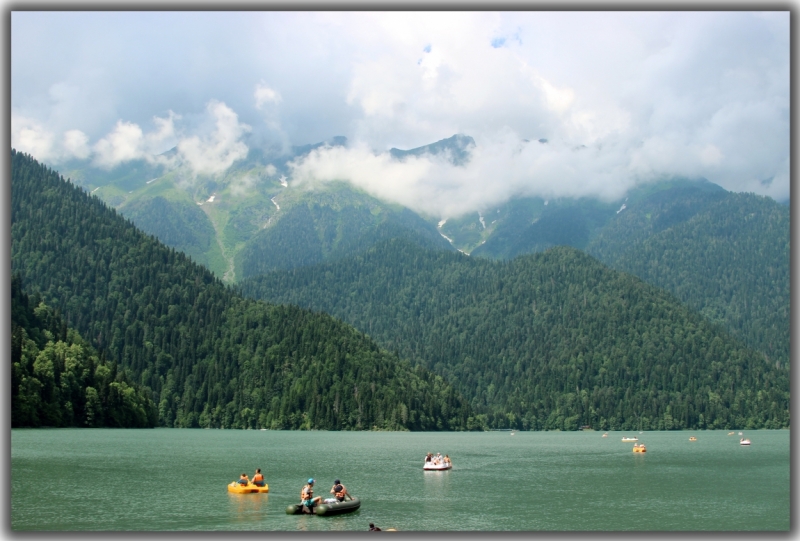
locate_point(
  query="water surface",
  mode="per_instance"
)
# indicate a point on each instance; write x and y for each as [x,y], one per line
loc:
[175,479]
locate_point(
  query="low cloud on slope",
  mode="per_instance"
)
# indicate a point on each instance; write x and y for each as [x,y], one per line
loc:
[622,98]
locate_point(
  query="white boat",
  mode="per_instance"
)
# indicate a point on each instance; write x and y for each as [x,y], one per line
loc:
[430,466]
[744,441]
[627,439]
[437,462]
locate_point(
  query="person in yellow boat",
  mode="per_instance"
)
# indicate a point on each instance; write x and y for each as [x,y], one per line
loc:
[243,480]
[307,495]
[258,479]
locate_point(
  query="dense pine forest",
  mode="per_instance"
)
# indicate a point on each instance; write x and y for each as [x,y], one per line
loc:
[553,340]
[210,357]
[59,380]
[313,232]
[723,254]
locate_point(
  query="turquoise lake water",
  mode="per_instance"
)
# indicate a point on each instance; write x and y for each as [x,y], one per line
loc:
[175,479]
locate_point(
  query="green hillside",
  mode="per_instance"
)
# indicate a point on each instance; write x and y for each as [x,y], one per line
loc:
[179,223]
[532,224]
[249,219]
[210,357]
[59,380]
[724,254]
[554,340]
[330,224]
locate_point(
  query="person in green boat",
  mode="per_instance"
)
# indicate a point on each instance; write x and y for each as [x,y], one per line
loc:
[339,491]
[307,496]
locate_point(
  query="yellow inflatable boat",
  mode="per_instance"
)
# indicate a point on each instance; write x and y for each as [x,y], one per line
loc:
[249,488]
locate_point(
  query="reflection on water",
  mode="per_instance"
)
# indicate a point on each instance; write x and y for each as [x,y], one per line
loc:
[436,483]
[248,507]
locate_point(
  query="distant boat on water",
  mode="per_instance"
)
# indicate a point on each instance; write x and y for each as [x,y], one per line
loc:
[627,439]
[744,441]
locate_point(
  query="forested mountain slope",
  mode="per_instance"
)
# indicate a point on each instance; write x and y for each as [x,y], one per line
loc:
[59,380]
[249,219]
[531,224]
[210,357]
[554,340]
[724,254]
[329,224]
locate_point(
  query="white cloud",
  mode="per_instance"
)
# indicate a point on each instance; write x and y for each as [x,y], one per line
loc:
[76,143]
[216,151]
[649,94]
[501,166]
[124,143]
[31,137]
[128,142]
[265,95]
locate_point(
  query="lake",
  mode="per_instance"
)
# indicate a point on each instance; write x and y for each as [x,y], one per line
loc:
[175,479]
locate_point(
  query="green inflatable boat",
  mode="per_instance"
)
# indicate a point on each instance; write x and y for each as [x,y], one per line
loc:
[325,509]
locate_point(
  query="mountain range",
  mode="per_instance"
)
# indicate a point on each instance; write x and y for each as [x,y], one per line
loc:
[700,338]
[252,221]
[553,340]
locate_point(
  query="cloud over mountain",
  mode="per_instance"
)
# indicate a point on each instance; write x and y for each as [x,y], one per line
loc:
[621,97]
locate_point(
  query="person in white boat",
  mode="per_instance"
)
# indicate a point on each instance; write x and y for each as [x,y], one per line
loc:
[446,460]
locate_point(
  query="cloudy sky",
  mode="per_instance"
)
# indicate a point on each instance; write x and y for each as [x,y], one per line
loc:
[622,98]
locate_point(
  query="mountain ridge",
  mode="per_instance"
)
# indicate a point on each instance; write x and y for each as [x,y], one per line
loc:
[517,337]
